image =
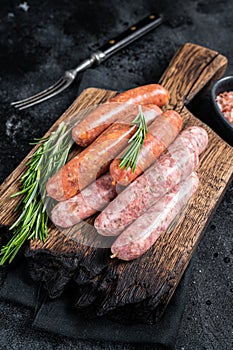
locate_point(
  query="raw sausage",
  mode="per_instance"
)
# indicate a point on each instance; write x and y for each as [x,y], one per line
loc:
[143,232]
[144,95]
[174,166]
[92,199]
[100,119]
[118,107]
[161,133]
[94,160]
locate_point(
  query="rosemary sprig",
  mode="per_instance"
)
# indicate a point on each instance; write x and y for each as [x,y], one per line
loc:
[32,222]
[130,157]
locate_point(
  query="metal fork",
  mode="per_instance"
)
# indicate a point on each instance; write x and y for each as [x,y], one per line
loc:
[112,46]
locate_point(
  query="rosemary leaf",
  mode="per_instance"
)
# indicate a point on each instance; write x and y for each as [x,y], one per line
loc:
[130,157]
[32,221]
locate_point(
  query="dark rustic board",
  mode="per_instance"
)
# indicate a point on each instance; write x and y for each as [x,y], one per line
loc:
[161,268]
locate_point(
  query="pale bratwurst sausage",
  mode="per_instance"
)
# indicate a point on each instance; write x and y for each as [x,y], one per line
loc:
[92,199]
[143,232]
[174,166]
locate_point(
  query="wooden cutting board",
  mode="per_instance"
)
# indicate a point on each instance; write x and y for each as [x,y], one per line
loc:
[190,70]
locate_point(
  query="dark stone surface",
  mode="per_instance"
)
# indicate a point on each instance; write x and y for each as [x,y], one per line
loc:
[37,45]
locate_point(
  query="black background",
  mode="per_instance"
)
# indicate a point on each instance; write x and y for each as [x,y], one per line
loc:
[37,45]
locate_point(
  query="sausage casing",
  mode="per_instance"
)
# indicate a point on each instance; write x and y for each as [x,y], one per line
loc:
[143,232]
[94,160]
[180,160]
[87,130]
[144,95]
[92,199]
[161,133]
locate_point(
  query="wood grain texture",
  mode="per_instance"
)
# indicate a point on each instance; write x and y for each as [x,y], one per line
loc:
[191,68]
[143,287]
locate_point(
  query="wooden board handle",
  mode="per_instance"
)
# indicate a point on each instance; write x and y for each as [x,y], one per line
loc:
[191,68]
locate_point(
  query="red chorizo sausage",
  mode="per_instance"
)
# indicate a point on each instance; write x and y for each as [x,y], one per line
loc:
[94,160]
[180,160]
[144,95]
[92,199]
[143,232]
[99,120]
[161,133]
[119,106]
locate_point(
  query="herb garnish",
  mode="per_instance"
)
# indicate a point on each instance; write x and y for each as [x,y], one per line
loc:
[130,157]
[32,223]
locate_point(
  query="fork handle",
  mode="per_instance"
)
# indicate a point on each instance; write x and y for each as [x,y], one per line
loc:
[117,43]
[133,33]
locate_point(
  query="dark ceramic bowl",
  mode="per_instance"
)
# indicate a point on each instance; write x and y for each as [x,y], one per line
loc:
[225,128]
